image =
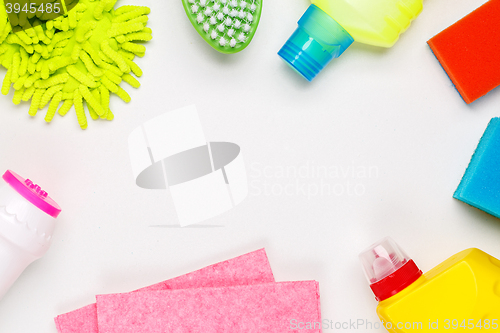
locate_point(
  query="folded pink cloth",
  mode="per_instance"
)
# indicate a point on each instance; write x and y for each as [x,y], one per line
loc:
[251,268]
[269,308]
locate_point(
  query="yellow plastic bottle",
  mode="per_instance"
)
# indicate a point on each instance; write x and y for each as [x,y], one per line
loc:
[462,294]
[329,27]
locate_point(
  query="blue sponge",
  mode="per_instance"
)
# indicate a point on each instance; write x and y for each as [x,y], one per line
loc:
[480,186]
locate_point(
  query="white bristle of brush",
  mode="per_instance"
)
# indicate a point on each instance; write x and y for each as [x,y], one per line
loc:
[227,21]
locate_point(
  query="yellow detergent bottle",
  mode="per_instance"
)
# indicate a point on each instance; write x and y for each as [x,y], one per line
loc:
[329,27]
[462,294]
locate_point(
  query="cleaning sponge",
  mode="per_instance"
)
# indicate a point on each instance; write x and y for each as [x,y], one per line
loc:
[469,51]
[480,186]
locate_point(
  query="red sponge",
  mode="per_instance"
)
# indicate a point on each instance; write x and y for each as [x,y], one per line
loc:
[469,51]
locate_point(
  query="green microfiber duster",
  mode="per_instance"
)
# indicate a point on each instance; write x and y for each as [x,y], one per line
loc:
[79,57]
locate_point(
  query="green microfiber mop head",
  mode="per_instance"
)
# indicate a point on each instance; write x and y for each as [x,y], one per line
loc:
[79,57]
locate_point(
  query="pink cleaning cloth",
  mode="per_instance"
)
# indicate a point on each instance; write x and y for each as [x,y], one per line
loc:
[251,268]
[269,308]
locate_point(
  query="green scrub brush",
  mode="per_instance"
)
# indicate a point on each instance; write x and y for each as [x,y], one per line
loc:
[226,25]
[78,58]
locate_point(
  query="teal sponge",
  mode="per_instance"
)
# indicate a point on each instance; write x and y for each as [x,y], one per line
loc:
[480,186]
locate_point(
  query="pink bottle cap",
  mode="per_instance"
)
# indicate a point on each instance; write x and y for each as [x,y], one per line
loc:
[33,193]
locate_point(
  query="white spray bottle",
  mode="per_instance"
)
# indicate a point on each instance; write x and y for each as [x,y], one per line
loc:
[27,220]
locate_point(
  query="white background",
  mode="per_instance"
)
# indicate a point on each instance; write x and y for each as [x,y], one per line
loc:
[395,110]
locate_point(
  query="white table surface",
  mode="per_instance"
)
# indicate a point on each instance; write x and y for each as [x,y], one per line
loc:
[392,110]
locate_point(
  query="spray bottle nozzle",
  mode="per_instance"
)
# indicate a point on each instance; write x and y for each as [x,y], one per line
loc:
[388,268]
